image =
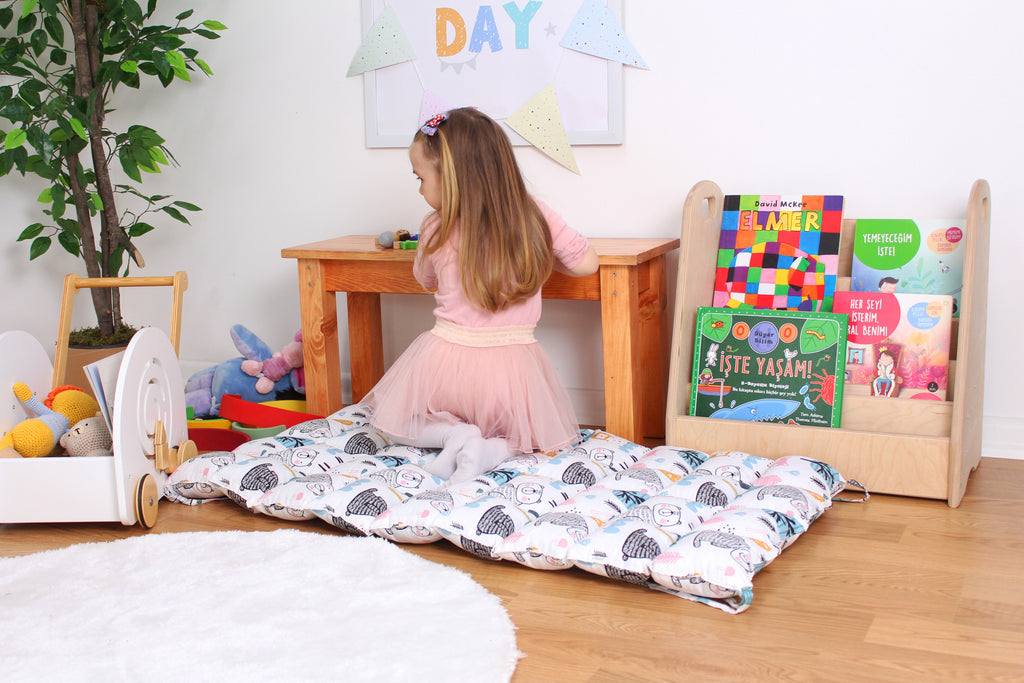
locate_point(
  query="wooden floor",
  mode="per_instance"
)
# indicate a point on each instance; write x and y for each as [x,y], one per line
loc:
[896,589]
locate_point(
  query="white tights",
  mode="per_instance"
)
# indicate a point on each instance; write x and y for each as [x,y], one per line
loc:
[464,452]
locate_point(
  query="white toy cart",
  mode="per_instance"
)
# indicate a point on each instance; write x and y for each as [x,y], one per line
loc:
[149,427]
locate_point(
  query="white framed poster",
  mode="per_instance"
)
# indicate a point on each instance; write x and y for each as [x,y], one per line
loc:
[494,57]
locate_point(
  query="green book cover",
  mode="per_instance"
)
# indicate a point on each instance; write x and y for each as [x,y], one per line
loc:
[769,366]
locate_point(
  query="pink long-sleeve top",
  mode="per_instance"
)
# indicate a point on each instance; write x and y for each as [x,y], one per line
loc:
[441,270]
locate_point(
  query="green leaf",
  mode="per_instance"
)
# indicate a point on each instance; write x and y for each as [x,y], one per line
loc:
[177,62]
[128,164]
[79,129]
[27,6]
[6,163]
[184,15]
[16,110]
[6,16]
[160,62]
[27,22]
[39,41]
[41,142]
[59,205]
[145,136]
[55,28]
[214,25]
[204,66]
[131,66]
[139,229]
[187,206]
[40,245]
[29,92]
[132,11]
[68,225]
[168,42]
[115,261]
[70,242]
[58,56]
[175,214]
[209,35]
[158,156]
[18,71]
[46,196]
[96,201]
[31,232]
[41,168]
[20,157]
[15,138]
[143,159]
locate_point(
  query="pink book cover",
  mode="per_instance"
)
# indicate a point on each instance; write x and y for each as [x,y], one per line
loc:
[898,344]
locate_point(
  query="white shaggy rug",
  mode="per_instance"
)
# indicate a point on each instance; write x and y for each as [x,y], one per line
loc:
[230,606]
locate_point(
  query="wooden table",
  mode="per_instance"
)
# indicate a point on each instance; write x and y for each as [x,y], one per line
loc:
[630,284]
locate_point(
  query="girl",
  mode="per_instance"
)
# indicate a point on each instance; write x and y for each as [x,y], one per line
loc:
[478,385]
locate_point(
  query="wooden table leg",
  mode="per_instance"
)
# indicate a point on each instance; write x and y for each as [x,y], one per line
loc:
[654,347]
[320,357]
[365,342]
[621,331]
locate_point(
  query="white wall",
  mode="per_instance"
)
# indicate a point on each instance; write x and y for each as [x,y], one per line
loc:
[899,106]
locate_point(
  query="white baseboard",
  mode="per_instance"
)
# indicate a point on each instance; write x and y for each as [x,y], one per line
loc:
[1003,437]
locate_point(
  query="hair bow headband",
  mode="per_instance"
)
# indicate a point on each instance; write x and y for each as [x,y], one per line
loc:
[430,127]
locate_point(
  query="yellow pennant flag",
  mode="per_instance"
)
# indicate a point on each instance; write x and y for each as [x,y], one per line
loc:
[540,122]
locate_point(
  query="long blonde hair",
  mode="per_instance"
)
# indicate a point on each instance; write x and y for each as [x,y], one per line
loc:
[504,242]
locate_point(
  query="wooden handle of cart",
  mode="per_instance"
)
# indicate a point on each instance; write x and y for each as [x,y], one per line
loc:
[73,283]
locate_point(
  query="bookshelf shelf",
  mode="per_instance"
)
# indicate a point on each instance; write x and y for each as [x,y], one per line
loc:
[897,446]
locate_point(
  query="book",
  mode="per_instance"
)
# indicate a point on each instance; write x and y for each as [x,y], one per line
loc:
[778,252]
[102,376]
[769,366]
[906,255]
[897,343]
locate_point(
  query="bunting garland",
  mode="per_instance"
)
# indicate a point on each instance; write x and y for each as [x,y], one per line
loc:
[593,31]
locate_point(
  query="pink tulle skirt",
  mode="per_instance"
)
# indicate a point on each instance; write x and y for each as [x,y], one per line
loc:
[499,379]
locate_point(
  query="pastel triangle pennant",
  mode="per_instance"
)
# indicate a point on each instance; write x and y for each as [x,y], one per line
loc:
[595,31]
[539,121]
[384,45]
[432,104]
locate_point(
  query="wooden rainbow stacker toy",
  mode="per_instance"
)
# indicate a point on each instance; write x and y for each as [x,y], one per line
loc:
[149,428]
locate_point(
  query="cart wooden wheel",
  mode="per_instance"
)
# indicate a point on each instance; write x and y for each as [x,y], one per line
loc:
[146,497]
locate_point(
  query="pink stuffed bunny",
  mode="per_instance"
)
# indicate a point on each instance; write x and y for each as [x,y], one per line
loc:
[277,366]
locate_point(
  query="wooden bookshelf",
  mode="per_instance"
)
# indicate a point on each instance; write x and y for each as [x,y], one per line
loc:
[898,446]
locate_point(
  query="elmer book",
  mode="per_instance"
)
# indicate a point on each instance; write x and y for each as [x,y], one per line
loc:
[904,255]
[898,344]
[778,252]
[769,366]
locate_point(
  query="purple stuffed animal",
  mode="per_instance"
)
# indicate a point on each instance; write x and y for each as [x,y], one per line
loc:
[204,389]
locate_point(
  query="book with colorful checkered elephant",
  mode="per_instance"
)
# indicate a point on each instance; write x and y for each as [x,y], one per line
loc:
[778,252]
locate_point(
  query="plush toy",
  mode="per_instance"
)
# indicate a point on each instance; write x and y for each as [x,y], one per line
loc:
[270,371]
[204,389]
[37,436]
[88,437]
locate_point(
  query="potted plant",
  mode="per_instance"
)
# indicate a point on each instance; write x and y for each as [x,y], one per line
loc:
[62,65]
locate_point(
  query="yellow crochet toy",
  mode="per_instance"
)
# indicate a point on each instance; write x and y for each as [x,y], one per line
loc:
[39,435]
